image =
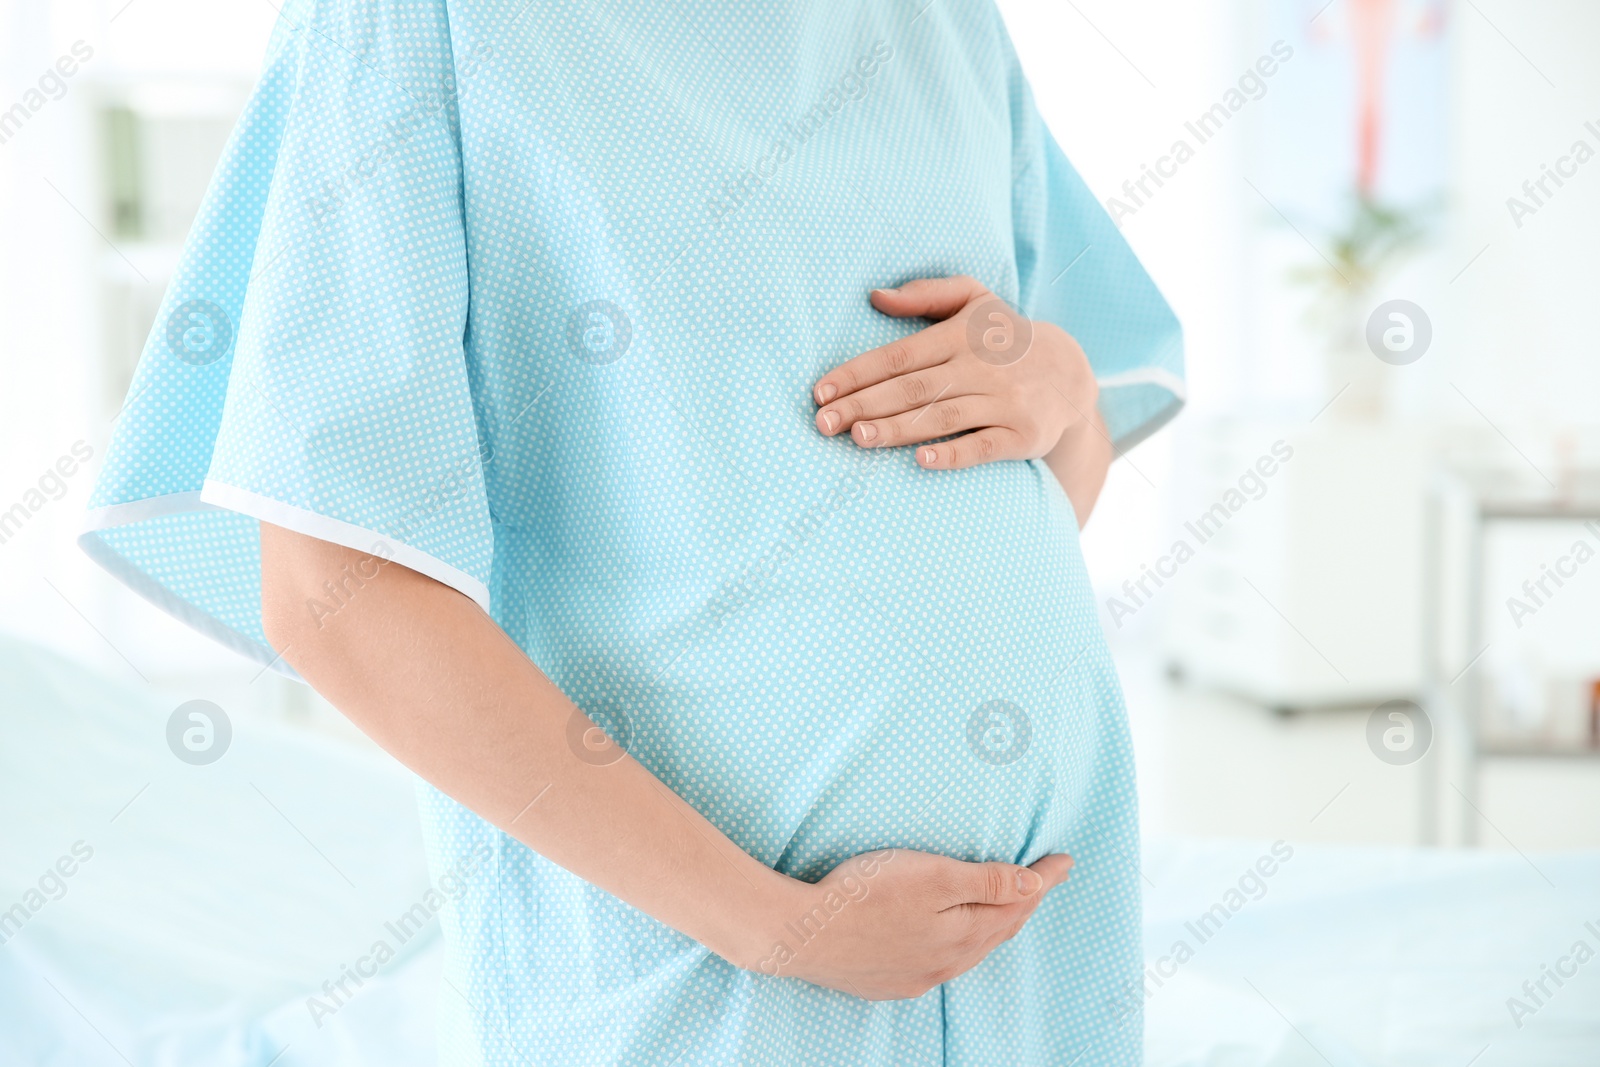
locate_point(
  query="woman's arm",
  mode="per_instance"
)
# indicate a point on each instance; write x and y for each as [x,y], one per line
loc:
[435,682]
[1080,460]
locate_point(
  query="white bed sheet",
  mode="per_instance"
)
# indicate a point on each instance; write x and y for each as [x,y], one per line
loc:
[217,897]
[1371,957]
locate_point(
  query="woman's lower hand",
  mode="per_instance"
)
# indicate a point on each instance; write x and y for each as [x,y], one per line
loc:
[1009,386]
[892,925]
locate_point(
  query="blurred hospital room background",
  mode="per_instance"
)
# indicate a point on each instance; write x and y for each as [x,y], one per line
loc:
[1354,590]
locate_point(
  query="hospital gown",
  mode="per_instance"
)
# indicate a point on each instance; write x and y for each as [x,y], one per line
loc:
[530,296]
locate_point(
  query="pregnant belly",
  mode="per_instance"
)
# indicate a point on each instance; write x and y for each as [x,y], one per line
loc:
[898,659]
[916,666]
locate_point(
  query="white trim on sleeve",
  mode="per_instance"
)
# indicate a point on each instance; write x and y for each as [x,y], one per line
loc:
[1147,376]
[243,501]
[219,496]
[122,569]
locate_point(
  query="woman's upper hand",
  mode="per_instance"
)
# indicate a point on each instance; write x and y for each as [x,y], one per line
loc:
[1009,386]
[892,925]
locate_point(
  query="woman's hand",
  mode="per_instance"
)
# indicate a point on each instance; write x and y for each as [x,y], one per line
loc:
[1011,387]
[892,925]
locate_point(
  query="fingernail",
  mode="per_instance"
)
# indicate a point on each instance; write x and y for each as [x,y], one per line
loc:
[1028,882]
[886,291]
[830,419]
[826,392]
[869,432]
[928,456]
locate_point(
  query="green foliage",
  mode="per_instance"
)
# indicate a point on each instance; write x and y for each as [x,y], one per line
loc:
[1377,237]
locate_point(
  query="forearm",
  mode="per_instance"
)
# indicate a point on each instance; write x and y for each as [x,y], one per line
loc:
[1080,460]
[435,682]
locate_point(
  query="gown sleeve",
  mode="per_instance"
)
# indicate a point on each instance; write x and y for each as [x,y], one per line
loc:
[1074,269]
[307,366]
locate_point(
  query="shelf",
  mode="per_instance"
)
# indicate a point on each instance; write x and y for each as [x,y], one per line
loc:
[1536,750]
[1514,494]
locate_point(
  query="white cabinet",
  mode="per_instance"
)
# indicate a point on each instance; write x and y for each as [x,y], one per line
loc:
[1307,592]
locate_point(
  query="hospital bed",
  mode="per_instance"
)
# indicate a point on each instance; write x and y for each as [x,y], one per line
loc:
[217,900]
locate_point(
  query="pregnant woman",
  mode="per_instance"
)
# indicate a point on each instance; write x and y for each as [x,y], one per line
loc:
[665,427]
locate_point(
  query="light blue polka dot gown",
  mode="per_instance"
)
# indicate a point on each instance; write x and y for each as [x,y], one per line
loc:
[530,296]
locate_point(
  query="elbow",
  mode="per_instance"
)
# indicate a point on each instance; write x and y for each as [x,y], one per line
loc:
[292,614]
[308,587]
[285,618]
